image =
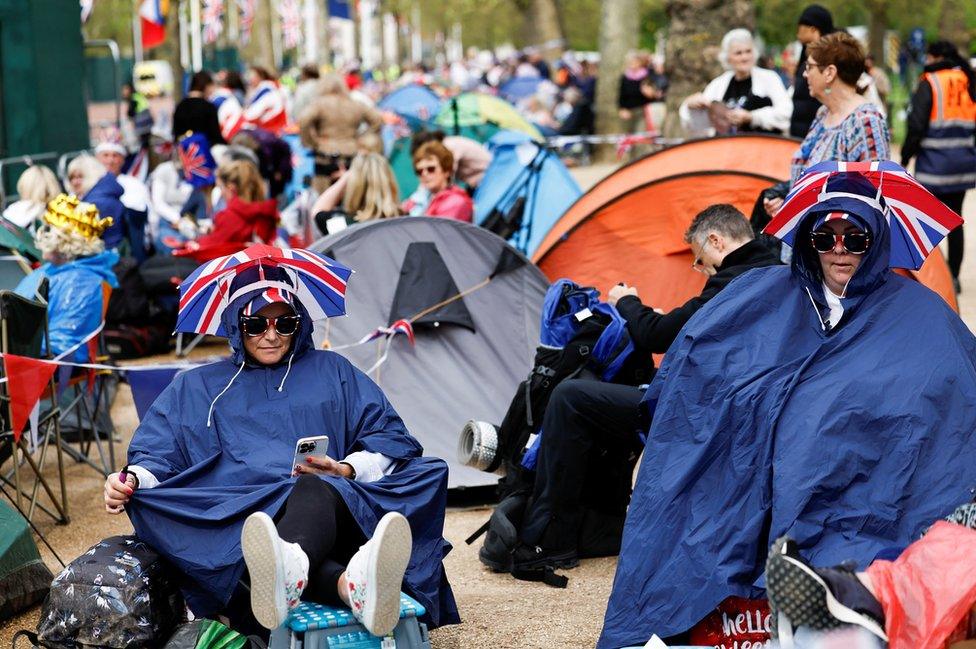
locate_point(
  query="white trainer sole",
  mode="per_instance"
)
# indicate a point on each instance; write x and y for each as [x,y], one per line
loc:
[265,569]
[386,564]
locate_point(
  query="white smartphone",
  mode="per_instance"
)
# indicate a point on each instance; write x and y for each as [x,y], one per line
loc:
[309,447]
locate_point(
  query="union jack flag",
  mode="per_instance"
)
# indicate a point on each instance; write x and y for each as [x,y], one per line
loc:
[197,162]
[317,282]
[291,23]
[918,220]
[246,9]
[213,23]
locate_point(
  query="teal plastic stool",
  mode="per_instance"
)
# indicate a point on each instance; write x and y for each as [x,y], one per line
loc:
[315,626]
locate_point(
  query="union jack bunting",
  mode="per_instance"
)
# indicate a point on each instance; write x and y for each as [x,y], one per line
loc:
[213,20]
[918,220]
[291,23]
[197,162]
[246,9]
[317,282]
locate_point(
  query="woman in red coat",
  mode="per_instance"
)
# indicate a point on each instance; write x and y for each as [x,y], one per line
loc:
[434,164]
[249,215]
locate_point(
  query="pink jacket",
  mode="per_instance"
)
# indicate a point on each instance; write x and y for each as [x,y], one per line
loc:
[452,202]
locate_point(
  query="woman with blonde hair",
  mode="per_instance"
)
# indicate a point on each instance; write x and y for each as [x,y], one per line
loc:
[248,214]
[36,187]
[366,192]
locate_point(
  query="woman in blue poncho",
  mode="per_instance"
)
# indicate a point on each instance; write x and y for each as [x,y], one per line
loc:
[831,401]
[213,488]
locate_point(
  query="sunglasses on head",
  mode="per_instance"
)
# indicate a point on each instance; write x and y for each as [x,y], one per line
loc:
[421,171]
[856,243]
[255,325]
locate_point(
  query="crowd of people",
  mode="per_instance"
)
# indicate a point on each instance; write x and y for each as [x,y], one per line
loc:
[789,416]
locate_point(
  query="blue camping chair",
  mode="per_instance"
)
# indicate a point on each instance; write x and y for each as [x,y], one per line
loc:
[525,190]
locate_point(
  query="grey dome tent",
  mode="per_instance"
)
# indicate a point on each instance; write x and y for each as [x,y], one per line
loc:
[469,353]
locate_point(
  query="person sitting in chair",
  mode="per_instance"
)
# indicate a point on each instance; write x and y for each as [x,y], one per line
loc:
[585,416]
[76,266]
[211,483]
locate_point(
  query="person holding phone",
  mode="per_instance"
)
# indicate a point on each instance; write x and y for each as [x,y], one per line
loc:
[211,482]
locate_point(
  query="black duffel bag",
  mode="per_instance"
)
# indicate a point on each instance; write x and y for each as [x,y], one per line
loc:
[119,594]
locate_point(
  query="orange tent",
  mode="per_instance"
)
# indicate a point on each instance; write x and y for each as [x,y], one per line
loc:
[630,226]
[767,155]
[638,237]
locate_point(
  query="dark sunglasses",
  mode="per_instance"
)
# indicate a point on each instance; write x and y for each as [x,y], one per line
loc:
[856,243]
[255,325]
[425,170]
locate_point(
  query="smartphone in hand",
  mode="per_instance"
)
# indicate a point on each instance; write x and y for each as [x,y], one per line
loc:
[309,447]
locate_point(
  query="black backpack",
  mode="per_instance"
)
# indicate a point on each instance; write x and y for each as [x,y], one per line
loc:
[119,594]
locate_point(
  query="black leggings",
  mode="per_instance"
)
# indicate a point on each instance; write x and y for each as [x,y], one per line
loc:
[956,243]
[316,518]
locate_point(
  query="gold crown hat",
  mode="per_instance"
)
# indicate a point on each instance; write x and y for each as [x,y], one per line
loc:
[68,213]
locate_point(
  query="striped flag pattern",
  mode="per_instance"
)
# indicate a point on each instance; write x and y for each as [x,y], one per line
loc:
[318,282]
[918,220]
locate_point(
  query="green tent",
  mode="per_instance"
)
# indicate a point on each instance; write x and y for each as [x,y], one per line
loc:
[479,116]
[24,579]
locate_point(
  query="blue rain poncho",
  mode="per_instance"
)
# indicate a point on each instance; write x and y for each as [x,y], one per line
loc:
[850,441]
[212,478]
[74,299]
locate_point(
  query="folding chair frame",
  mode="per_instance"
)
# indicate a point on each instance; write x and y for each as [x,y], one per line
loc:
[79,406]
[20,453]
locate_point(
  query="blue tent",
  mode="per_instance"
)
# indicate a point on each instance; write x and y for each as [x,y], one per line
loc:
[417,104]
[518,88]
[521,168]
[302,163]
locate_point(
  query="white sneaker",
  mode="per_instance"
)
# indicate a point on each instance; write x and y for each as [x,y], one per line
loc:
[375,573]
[278,570]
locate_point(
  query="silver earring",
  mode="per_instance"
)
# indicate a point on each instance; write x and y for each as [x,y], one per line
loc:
[827,90]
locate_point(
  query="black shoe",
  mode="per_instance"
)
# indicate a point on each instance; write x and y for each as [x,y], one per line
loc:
[818,598]
[527,557]
[956,285]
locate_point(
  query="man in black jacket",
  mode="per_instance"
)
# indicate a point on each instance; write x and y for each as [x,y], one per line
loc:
[586,416]
[814,22]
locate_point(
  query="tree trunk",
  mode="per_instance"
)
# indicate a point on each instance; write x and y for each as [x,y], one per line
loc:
[694,41]
[541,24]
[259,50]
[172,48]
[618,35]
[877,28]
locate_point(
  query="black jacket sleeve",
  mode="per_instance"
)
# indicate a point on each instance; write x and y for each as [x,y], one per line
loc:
[917,122]
[653,331]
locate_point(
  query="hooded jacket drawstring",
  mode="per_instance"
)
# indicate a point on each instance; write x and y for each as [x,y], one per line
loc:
[282,385]
[227,387]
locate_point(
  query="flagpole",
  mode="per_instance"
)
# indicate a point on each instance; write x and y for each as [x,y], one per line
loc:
[136,32]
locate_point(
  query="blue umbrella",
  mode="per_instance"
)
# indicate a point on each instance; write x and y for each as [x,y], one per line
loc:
[414,102]
[518,88]
[318,282]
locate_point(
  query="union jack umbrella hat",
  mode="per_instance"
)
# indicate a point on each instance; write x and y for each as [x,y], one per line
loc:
[917,219]
[317,282]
